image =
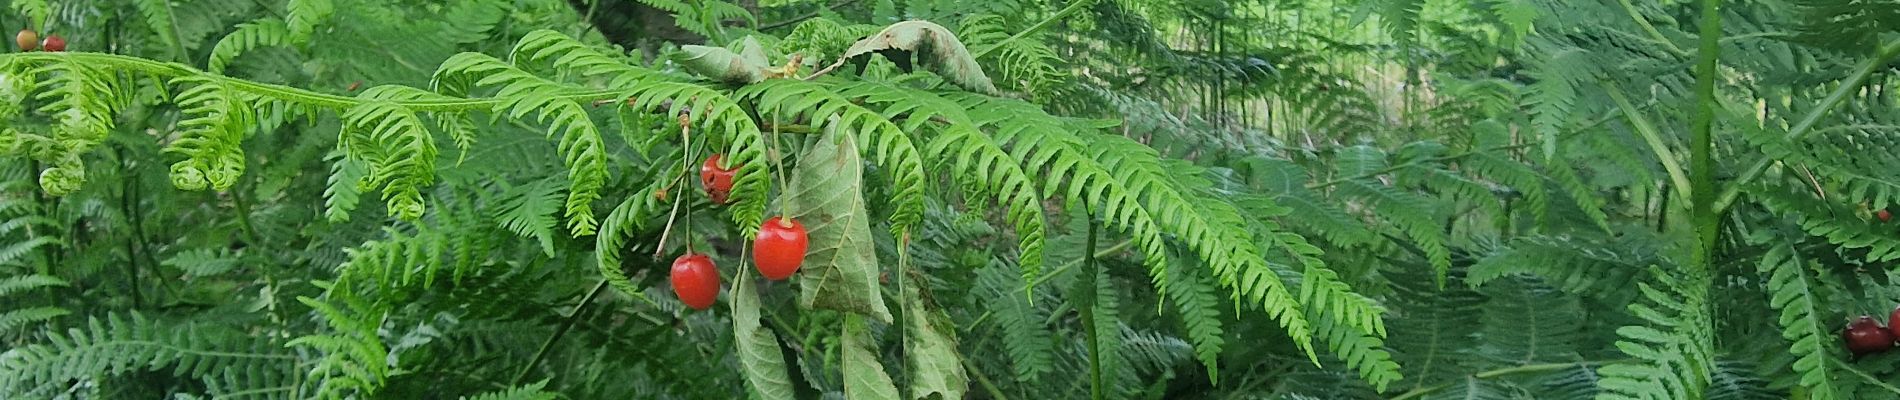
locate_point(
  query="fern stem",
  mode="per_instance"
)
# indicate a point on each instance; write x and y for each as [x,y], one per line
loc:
[1698,283]
[274,91]
[1059,15]
[1111,250]
[1651,29]
[1652,137]
[1863,375]
[566,324]
[1805,126]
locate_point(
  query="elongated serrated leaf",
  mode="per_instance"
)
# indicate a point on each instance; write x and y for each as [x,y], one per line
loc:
[936,370]
[840,271]
[758,348]
[864,377]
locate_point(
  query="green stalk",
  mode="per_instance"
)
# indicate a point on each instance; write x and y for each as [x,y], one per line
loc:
[1702,191]
[1653,137]
[1097,390]
[1059,15]
[566,324]
[1802,128]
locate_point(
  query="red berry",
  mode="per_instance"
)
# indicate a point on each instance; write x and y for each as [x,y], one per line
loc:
[718,181]
[780,248]
[695,280]
[1883,215]
[1894,328]
[54,43]
[1866,336]
[28,39]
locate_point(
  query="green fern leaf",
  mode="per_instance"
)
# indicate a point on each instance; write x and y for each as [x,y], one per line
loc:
[1791,292]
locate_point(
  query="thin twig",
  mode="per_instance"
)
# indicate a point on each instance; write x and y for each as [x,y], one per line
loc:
[566,324]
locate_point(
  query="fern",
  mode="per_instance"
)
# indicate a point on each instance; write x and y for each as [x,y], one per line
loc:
[526,392]
[212,141]
[396,146]
[302,17]
[1792,292]
[581,147]
[884,144]
[121,343]
[712,110]
[354,358]
[530,211]
[248,36]
[970,153]
[21,317]
[1673,345]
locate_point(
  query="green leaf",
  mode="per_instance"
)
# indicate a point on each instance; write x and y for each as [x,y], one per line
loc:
[841,265]
[864,378]
[935,367]
[759,353]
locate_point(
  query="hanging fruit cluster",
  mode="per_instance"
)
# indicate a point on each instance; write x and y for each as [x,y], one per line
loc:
[1865,335]
[778,249]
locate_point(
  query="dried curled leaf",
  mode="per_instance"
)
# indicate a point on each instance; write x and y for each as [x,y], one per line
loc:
[747,65]
[934,46]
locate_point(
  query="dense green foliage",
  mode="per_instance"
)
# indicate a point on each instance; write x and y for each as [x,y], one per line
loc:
[1494,199]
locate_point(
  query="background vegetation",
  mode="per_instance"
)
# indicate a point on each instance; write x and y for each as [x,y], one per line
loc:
[1405,199]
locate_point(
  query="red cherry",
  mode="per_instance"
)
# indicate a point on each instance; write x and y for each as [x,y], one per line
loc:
[54,43]
[28,39]
[1894,328]
[1866,336]
[695,280]
[718,181]
[1883,215]
[780,248]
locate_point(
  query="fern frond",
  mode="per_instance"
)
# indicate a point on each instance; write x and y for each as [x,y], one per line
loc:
[341,193]
[24,283]
[1026,338]
[887,145]
[1790,290]
[1042,140]
[1577,265]
[302,16]
[580,143]
[397,148]
[528,392]
[248,36]
[212,141]
[1025,61]
[121,343]
[13,251]
[530,211]
[1672,345]
[1199,308]
[355,358]
[16,319]
[158,17]
[631,215]
[971,154]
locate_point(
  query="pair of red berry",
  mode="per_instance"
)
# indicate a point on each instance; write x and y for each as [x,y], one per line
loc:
[29,40]
[1865,335]
[778,250]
